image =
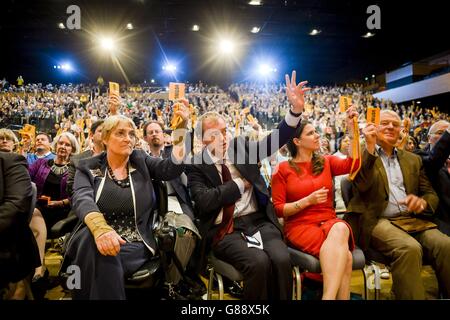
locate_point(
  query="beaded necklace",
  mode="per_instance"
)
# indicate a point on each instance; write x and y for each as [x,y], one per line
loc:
[125,183]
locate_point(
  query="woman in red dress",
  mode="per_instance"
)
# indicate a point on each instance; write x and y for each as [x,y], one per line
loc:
[302,192]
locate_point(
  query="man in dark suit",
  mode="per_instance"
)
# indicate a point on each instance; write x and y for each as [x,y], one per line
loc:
[153,132]
[391,184]
[436,161]
[233,203]
[19,254]
[95,135]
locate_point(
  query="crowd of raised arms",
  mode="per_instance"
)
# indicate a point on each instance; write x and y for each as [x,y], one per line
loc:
[97,157]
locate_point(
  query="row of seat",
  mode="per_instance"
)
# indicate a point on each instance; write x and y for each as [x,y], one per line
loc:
[145,277]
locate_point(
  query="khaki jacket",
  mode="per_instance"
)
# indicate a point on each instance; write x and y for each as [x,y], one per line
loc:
[371,191]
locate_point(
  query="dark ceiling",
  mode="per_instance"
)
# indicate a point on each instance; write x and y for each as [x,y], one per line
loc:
[32,42]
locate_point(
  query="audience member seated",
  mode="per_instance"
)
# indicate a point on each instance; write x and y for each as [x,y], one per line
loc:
[234,206]
[270,165]
[179,198]
[50,177]
[436,161]
[113,197]
[43,149]
[19,255]
[8,140]
[412,144]
[392,183]
[95,148]
[302,192]
[343,149]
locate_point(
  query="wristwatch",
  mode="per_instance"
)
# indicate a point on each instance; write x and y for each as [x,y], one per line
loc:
[295,114]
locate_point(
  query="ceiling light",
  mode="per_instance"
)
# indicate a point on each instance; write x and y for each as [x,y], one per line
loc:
[61,25]
[314,32]
[368,35]
[255,2]
[195,27]
[130,26]
[255,29]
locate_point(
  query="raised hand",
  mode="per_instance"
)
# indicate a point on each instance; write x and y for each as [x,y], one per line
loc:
[296,93]
[370,134]
[183,109]
[114,103]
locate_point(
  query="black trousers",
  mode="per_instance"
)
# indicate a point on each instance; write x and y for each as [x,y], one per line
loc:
[268,272]
[103,277]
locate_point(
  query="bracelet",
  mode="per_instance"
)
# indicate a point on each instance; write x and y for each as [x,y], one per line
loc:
[295,114]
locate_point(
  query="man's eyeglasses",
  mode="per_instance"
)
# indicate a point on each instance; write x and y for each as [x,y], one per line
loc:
[150,132]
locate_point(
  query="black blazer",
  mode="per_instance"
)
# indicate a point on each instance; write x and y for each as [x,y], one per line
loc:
[433,162]
[73,164]
[90,174]
[210,195]
[19,254]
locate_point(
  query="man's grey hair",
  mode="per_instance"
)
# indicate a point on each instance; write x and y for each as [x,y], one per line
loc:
[393,113]
[208,116]
[435,125]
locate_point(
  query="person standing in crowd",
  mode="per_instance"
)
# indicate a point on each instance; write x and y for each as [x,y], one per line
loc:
[19,81]
[234,204]
[42,147]
[113,198]
[392,183]
[436,161]
[302,192]
[50,177]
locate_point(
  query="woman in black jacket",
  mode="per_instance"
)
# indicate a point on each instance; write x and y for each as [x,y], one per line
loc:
[114,197]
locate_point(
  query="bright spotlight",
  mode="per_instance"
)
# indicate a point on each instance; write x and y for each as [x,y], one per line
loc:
[255,30]
[67,67]
[107,44]
[54,67]
[169,67]
[152,81]
[130,26]
[266,69]
[195,27]
[255,2]
[61,25]
[226,46]
[314,32]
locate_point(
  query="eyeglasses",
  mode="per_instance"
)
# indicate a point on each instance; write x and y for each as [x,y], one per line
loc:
[122,135]
[150,132]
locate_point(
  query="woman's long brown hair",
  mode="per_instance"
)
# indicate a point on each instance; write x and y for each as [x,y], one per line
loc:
[317,159]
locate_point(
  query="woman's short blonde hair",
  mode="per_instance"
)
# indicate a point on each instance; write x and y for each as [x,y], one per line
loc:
[112,122]
[72,139]
[9,134]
